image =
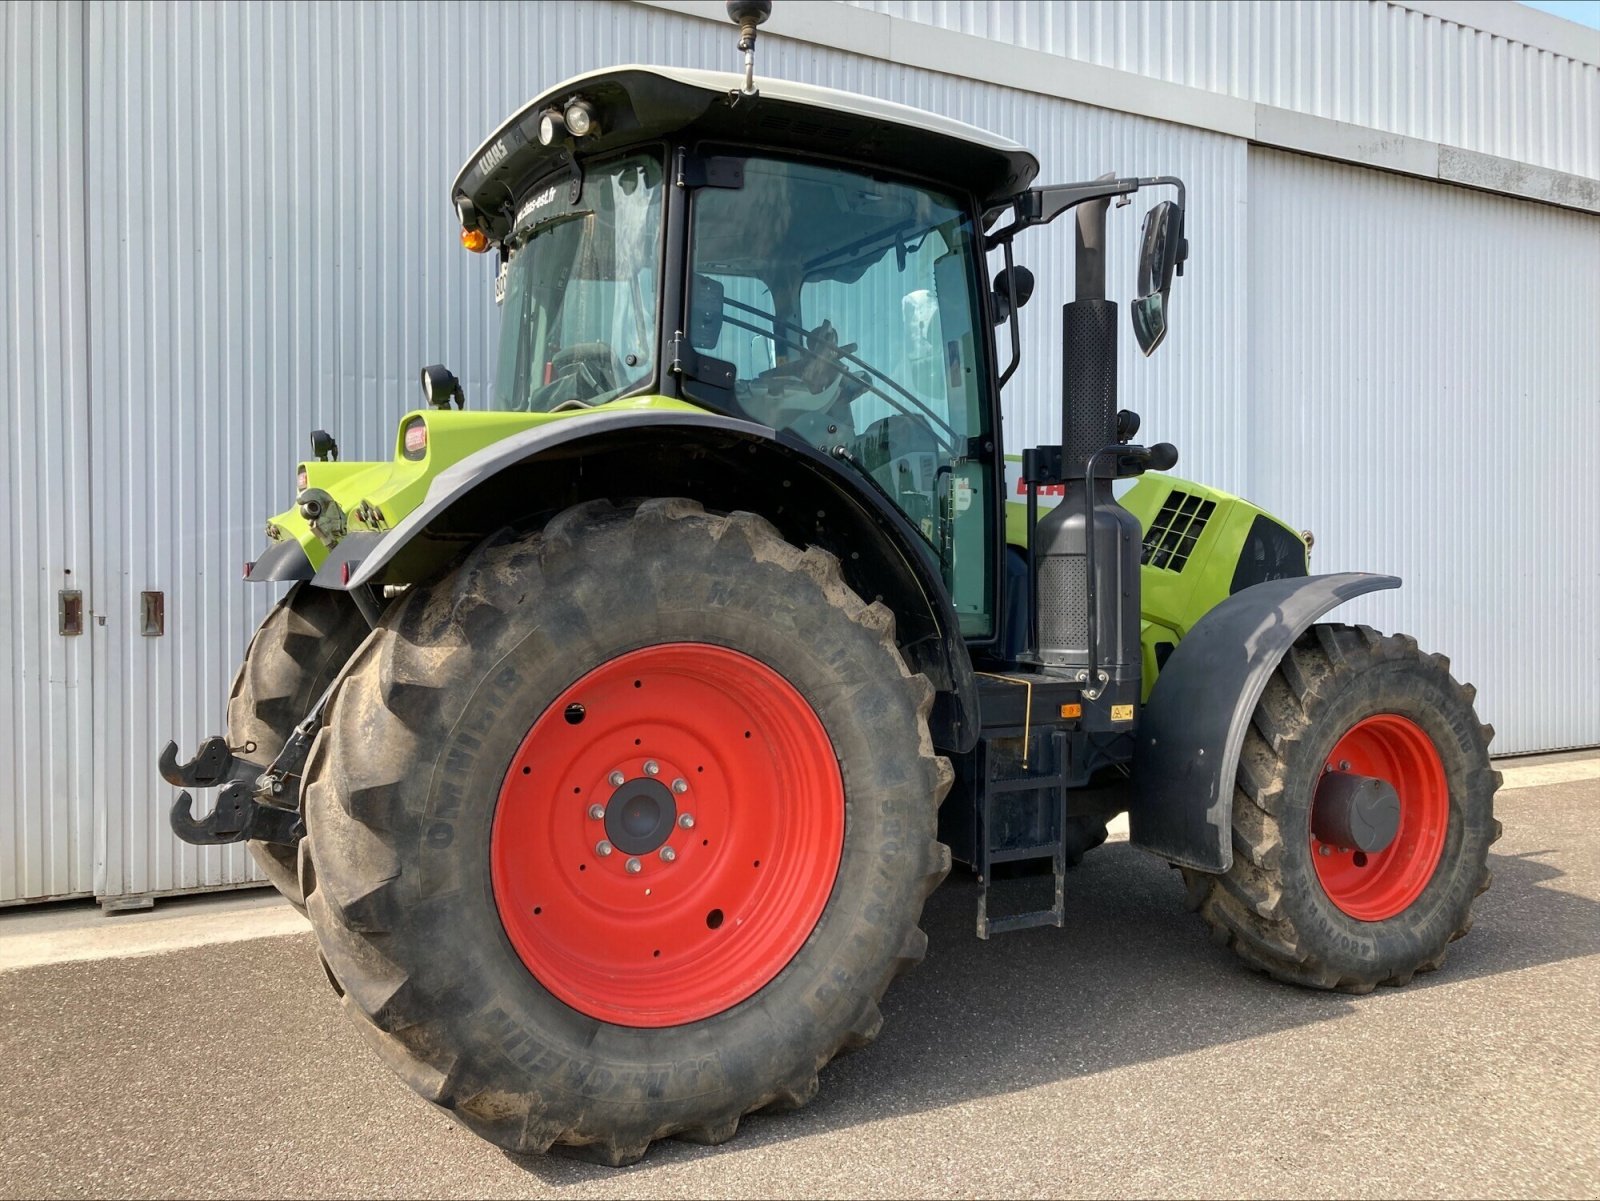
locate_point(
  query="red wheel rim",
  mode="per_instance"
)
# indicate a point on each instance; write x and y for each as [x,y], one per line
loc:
[719,756]
[1377,885]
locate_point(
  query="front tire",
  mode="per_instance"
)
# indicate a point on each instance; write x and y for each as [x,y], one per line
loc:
[1317,914]
[545,991]
[298,650]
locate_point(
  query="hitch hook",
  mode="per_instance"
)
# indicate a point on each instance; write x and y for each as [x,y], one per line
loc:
[237,817]
[214,764]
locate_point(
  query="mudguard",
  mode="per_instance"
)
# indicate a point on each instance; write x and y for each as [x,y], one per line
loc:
[1193,727]
[284,560]
[457,480]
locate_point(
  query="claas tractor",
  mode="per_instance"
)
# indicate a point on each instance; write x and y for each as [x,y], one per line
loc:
[617,724]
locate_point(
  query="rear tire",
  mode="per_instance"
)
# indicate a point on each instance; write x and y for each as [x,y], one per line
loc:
[427,896]
[297,651]
[1311,914]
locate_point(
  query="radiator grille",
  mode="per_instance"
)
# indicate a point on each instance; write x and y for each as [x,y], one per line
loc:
[1176,529]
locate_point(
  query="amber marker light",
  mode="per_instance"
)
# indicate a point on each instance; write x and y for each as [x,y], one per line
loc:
[475,240]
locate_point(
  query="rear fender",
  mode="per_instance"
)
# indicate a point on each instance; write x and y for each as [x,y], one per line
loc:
[1192,729]
[725,463]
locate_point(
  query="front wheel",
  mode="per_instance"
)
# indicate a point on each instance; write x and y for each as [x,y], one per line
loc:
[299,649]
[1362,816]
[621,830]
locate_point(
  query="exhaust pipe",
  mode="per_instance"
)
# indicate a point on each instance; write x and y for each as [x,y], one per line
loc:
[1087,548]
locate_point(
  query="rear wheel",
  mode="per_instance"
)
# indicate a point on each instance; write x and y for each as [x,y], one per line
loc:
[1362,817]
[298,650]
[620,831]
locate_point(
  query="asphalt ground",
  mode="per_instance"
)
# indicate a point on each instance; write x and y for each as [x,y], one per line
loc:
[1122,1056]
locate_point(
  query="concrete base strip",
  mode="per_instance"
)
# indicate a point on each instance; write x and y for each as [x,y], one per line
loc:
[1533,775]
[81,933]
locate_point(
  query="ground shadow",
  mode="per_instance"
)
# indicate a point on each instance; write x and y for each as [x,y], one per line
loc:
[1132,978]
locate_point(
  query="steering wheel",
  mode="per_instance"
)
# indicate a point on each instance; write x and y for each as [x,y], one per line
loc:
[577,373]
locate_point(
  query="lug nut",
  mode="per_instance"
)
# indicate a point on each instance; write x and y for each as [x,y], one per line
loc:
[634,867]
[687,821]
[652,768]
[1344,765]
[668,854]
[1324,849]
[602,848]
[617,779]
[680,786]
[596,812]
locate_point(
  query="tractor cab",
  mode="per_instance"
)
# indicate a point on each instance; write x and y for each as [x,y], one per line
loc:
[801,258]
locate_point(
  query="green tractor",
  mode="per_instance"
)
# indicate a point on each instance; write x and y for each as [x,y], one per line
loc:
[615,729]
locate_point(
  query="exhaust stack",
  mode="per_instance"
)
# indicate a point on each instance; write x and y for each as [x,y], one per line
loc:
[1087,592]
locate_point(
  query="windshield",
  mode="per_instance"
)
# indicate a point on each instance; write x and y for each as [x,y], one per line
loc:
[579,326]
[848,308]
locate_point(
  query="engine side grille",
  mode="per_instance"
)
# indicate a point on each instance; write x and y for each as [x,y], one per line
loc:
[1176,529]
[1063,603]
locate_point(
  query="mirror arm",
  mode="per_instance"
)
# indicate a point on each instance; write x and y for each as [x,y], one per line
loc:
[1016,339]
[1040,206]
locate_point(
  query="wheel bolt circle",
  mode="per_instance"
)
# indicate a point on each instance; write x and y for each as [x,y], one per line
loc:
[686,821]
[668,854]
[602,848]
[680,786]
[634,867]
[652,768]
[617,779]
[596,812]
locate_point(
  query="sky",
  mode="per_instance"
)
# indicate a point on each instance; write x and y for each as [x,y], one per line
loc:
[1584,12]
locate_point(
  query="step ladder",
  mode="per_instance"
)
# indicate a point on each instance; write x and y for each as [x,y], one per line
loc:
[1022,817]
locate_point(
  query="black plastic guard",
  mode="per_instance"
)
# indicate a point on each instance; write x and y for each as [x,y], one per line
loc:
[285,560]
[1193,727]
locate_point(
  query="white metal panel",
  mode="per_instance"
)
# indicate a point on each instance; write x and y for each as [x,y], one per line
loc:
[1425,375]
[1368,62]
[46,816]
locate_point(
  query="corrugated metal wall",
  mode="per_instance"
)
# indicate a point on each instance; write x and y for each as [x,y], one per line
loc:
[264,246]
[46,818]
[1425,370]
[1367,62]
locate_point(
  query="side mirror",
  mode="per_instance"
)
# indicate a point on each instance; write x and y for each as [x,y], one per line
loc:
[1162,251]
[705,312]
[1013,288]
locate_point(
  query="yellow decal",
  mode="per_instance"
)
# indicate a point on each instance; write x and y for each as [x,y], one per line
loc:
[1121,712]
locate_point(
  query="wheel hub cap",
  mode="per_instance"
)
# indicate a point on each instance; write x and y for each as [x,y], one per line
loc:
[1361,812]
[640,816]
[667,835]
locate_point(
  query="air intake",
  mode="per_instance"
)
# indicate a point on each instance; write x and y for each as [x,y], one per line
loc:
[1177,527]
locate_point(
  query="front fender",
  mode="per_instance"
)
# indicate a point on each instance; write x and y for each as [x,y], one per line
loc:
[1193,727]
[427,522]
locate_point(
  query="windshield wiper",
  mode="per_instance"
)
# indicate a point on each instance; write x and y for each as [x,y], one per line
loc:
[518,241]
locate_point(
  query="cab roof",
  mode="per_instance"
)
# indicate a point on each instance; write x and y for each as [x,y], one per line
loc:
[641,103]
